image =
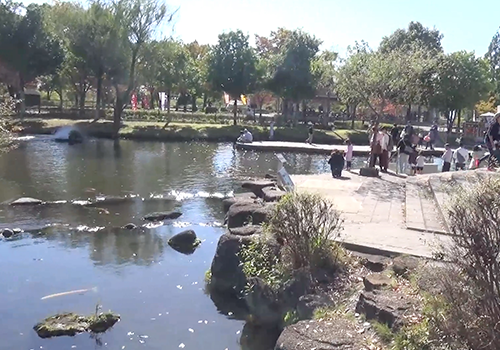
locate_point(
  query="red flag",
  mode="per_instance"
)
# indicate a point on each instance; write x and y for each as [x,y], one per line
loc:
[133,101]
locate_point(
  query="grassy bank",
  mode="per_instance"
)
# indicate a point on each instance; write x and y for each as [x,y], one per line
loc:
[142,130]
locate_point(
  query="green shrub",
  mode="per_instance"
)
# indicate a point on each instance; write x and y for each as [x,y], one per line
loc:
[291,317]
[260,260]
[383,331]
[471,283]
[306,225]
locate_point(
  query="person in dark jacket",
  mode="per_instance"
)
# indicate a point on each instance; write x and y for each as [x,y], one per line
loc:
[336,162]
[493,133]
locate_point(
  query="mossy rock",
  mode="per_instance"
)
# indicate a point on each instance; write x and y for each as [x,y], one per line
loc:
[72,324]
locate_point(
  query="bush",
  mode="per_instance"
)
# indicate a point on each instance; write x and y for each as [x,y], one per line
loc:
[260,260]
[471,284]
[306,225]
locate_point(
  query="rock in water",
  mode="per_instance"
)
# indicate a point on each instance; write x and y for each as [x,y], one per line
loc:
[257,186]
[26,201]
[170,215]
[72,324]
[129,226]
[184,242]
[7,232]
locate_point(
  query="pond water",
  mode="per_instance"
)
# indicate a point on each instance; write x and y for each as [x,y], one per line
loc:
[158,292]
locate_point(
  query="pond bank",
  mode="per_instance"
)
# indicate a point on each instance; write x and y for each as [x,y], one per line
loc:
[155,131]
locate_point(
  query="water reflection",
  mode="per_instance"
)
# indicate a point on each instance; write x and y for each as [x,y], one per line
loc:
[157,290]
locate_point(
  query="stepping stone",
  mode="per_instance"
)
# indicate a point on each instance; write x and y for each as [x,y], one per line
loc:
[376,281]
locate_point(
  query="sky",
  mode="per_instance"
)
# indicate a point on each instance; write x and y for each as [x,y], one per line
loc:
[466,24]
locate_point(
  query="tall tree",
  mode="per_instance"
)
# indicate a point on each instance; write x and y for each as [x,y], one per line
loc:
[27,46]
[136,20]
[292,77]
[463,80]
[493,57]
[415,36]
[232,66]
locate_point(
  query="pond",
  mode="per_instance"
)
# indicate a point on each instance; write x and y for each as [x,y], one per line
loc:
[158,292]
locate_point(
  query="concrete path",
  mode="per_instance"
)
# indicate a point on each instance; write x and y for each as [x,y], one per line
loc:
[374,213]
[303,147]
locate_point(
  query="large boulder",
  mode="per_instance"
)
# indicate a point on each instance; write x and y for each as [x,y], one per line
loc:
[258,337]
[272,194]
[369,172]
[263,303]
[246,230]
[309,303]
[403,265]
[226,271]
[385,306]
[72,324]
[257,186]
[248,197]
[26,201]
[376,281]
[336,334]
[160,216]
[240,214]
[7,232]
[184,242]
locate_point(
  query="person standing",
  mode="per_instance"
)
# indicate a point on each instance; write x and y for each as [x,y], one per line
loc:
[461,157]
[493,133]
[348,155]
[409,130]
[310,130]
[447,157]
[419,169]
[384,143]
[376,148]
[404,149]
[336,162]
[395,134]
[271,130]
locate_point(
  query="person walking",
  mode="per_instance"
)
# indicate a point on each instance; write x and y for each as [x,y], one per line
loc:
[395,134]
[310,130]
[419,169]
[493,133]
[376,148]
[447,158]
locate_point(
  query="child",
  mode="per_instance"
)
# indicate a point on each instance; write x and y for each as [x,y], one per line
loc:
[420,163]
[336,162]
[348,155]
[447,157]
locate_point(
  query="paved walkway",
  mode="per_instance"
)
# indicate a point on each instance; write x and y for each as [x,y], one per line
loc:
[303,147]
[374,212]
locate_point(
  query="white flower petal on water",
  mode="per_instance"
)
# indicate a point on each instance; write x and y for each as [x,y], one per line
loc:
[179,286]
[141,341]
[130,333]
[182,346]
[206,322]
[144,336]
[200,321]
[191,330]
[238,332]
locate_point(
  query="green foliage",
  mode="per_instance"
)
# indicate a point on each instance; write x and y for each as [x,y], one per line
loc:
[493,58]
[232,65]
[383,331]
[292,77]
[260,260]
[416,36]
[415,337]
[307,224]
[291,317]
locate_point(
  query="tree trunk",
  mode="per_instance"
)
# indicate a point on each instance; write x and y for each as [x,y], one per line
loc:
[459,120]
[193,104]
[419,111]
[204,100]
[261,121]
[285,110]
[23,98]
[408,113]
[168,101]
[82,102]
[235,111]
[353,116]
[98,96]
[152,98]
[117,114]
[60,93]
[48,95]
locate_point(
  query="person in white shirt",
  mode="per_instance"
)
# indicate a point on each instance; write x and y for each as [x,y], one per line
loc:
[348,155]
[384,142]
[245,137]
[447,157]
[420,163]
[461,157]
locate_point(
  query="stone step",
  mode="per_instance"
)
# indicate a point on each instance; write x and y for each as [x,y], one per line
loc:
[422,213]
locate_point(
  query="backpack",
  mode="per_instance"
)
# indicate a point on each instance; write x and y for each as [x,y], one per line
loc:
[460,158]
